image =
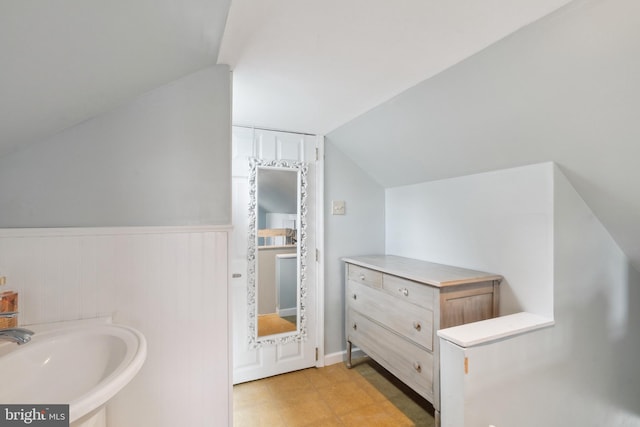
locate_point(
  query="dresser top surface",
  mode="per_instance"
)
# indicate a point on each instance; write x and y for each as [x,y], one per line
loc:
[421,271]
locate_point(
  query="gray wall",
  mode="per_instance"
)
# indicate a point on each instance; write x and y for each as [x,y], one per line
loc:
[267,277]
[287,276]
[359,232]
[500,222]
[163,159]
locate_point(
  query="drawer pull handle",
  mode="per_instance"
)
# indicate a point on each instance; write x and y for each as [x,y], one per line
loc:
[404,291]
[417,367]
[362,277]
[417,326]
[355,296]
[355,327]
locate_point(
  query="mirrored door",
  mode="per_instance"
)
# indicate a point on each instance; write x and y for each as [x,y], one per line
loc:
[274,294]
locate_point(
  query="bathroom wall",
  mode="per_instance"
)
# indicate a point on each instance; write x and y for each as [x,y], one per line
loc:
[580,372]
[500,222]
[168,282]
[359,232]
[163,159]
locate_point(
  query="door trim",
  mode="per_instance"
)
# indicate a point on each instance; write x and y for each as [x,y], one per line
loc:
[320,250]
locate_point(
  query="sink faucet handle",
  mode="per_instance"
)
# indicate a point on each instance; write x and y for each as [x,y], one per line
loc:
[8,315]
[17,335]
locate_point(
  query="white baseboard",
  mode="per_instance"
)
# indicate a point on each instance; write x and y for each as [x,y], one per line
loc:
[341,356]
[283,312]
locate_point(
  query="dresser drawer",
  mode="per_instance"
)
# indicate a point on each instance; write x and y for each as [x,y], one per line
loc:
[409,320]
[416,293]
[364,275]
[410,363]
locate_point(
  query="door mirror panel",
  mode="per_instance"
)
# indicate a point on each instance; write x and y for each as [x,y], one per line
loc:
[276,287]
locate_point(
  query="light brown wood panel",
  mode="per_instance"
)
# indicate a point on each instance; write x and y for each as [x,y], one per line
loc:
[466,309]
[468,303]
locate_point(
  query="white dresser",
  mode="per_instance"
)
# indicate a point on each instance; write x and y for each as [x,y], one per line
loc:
[394,306]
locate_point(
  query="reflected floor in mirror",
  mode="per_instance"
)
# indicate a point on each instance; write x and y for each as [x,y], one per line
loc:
[271,324]
[366,395]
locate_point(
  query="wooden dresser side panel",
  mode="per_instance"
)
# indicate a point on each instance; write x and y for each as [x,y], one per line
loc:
[466,304]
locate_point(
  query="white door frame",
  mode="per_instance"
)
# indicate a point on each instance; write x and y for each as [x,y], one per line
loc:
[320,248]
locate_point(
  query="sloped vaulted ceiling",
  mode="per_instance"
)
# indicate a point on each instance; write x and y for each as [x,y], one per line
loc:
[565,89]
[299,64]
[64,61]
[311,66]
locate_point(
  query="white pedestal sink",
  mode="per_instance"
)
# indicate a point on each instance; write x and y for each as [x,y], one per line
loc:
[84,365]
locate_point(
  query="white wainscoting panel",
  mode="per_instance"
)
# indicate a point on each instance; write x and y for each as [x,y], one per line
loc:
[168,282]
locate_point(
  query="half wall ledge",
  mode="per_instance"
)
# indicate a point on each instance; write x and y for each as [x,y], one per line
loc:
[498,328]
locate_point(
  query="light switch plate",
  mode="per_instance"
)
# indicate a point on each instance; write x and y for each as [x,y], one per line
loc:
[337,207]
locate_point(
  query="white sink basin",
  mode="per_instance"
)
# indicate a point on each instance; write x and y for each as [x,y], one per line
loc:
[83,366]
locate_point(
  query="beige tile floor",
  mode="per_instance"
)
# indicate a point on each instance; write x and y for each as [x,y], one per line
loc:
[366,395]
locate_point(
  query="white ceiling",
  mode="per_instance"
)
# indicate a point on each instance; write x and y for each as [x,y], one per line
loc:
[311,66]
[298,65]
[64,61]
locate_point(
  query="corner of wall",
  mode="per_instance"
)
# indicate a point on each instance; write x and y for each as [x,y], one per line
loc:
[595,302]
[360,231]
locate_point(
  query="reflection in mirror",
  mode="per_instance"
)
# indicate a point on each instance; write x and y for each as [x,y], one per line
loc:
[276,252]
